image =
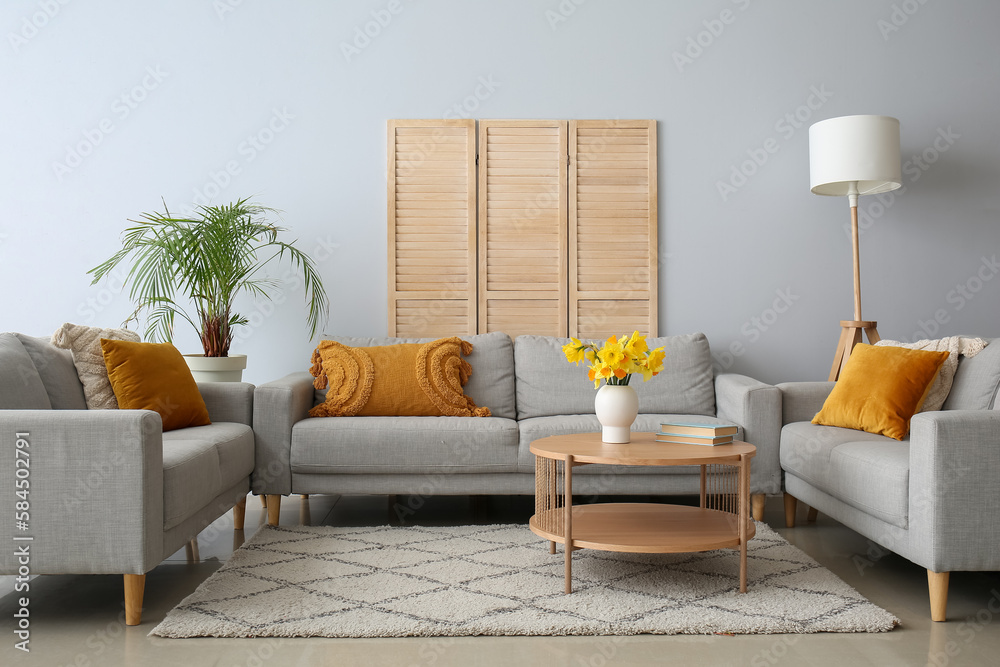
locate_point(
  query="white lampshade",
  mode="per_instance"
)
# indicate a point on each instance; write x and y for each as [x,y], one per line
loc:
[854,155]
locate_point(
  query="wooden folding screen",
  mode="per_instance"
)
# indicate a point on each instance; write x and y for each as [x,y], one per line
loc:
[522,227]
[432,227]
[567,217]
[612,228]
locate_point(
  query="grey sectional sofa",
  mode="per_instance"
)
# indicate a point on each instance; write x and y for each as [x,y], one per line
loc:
[532,392]
[107,491]
[931,498]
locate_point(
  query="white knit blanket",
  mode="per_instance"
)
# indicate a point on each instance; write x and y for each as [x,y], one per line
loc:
[955,345]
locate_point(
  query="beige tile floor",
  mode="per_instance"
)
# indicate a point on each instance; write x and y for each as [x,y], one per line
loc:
[77,620]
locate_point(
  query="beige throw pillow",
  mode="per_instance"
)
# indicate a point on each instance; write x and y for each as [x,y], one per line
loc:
[85,344]
[956,346]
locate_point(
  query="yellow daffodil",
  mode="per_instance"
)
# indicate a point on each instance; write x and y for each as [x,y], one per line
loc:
[575,351]
[636,345]
[653,364]
[613,353]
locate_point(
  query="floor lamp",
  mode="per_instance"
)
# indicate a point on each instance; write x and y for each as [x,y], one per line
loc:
[853,156]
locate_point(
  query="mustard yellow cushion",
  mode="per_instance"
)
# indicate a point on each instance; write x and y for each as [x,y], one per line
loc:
[880,389]
[154,376]
[412,379]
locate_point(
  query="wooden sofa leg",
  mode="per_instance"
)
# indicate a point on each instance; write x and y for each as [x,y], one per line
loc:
[263,501]
[813,513]
[273,509]
[790,505]
[239,513]
[757,506]
[135,584]
[937,585]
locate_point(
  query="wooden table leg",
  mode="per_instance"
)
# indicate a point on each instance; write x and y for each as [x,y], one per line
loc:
[569,523]
[552,547]
[703,476]
[744,518]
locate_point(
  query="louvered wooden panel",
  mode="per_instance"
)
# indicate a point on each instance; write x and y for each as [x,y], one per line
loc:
[432,226]
[421,318]
[612,228]
[522,227]
[541,317]
[596,319]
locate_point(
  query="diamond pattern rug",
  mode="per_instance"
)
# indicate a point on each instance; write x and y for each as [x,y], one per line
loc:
[502,580]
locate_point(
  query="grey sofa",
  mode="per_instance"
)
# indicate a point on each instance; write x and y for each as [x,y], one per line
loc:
[532,392]
[106,491]
[930,498]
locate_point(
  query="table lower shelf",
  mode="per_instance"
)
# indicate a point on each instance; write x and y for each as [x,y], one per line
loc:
[643,527]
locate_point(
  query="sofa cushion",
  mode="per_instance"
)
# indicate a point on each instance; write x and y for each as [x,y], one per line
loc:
[541,427]
[85,344]
[201,462]
[21,386]
[548,385]
[404,445]
[403,380]
[880,389]
[976,381]
[154,376]
[491,384]
[869,472]
[55,368]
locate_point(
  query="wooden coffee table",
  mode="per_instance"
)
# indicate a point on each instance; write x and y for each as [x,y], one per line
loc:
[722,519]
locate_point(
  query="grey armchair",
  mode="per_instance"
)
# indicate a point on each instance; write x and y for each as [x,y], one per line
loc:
[106,491]
[928,498]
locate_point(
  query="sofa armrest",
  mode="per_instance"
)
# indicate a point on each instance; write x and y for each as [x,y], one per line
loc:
[953,490]
[277,406]
[756,407]
[95,489]
[228,401]
[800,401]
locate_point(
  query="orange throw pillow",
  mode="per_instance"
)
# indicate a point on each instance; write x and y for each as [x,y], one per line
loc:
[406,380]
[880,389]
[154,376]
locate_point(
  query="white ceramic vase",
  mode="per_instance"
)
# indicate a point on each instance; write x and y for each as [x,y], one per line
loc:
[216,369]
[617,407]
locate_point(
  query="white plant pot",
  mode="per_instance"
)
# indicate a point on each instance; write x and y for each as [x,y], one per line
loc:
[616,406]
[216,369]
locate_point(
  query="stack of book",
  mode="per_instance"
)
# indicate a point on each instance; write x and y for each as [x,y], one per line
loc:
[697,434]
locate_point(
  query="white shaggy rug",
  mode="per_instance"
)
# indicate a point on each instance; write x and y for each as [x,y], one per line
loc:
[501,580]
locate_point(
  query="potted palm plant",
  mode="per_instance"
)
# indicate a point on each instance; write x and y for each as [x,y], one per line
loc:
[208,259]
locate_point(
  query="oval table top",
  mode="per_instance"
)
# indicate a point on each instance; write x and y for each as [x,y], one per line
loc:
[644,450]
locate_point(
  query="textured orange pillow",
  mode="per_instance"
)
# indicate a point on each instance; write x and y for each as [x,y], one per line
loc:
[880,389]
[410,379]
[154,376]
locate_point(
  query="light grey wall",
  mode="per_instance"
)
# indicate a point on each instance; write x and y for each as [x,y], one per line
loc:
[198,80]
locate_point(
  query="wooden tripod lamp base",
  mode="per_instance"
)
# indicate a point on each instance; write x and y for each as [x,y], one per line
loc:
[850,335]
